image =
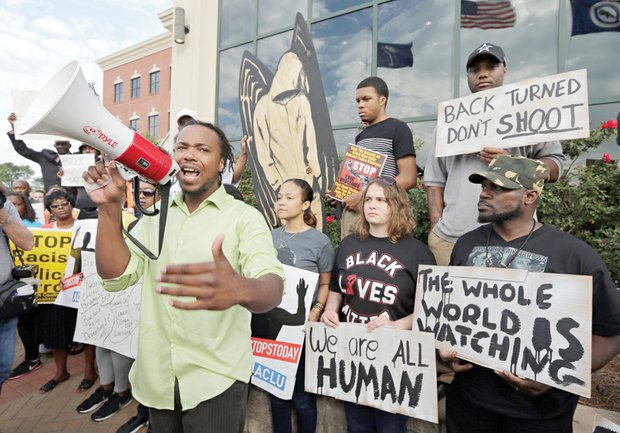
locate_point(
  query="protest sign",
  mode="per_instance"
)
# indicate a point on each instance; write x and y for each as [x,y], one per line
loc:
[73,166]
[528,112]
[278,335]
[50,253]
[82,239]
[535,325]
[39,211]
[603,425]
[388,369]
[359,167]
[107,319]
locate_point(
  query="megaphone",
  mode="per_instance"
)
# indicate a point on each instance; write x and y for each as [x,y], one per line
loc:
[67,107]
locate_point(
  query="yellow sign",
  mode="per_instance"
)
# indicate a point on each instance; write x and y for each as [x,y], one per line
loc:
[50,252]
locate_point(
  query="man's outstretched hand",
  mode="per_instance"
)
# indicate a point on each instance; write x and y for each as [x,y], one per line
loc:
[215,284]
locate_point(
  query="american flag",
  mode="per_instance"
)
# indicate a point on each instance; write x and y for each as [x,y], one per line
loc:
[487,14]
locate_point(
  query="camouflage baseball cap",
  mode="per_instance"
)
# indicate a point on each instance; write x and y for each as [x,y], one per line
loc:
[514,172]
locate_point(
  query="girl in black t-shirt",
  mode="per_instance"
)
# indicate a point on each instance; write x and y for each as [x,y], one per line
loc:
[374,281]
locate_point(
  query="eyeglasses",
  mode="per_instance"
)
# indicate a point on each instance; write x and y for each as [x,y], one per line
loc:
[59,205]
[148,192]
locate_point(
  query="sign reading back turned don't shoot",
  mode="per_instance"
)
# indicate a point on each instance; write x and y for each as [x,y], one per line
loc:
[528,112]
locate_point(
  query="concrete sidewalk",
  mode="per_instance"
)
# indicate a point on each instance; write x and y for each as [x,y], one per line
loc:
[24,410]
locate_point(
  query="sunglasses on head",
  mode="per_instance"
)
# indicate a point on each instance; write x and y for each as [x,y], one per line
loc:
[386,180]
[148,192]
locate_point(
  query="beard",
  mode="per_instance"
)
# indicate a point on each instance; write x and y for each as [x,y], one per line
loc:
[498,217]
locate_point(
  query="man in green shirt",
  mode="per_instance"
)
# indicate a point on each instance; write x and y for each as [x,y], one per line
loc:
[193,367]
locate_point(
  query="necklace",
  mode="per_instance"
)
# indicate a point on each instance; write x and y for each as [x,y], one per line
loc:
[284,241]
[489,261]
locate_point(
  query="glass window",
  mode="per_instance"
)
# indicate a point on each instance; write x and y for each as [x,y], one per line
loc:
[135,124]
[416,90]
[344,137]
[237,20]
[228,91]
[598,52]
[154,82]
[135,87]
[536,26]
[269,50]
[422,140]
[118,92]
[278,14]
[154,125]
[326,7]
[343,47]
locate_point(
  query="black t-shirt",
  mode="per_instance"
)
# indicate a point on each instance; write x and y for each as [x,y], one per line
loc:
[552,251]
[390,137]
[377,277]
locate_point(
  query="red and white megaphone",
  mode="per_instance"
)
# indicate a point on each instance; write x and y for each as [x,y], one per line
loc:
[67,107]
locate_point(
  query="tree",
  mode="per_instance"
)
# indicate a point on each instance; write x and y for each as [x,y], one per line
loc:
[10,172]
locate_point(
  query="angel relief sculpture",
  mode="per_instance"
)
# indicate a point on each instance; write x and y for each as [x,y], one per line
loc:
[286,119]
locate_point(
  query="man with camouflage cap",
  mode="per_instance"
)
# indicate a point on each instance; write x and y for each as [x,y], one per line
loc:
[450,198]
[479,399]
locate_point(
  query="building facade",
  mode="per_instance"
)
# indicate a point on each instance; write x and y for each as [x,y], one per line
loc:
[136,86]
[540,38]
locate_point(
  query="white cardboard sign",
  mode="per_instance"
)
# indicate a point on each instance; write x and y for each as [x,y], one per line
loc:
[278,349]
[603,425]
[388,369]
[105,319]
[528,112]
[535,325]
[73,166]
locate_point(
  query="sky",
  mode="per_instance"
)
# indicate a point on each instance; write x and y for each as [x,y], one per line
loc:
[39,37]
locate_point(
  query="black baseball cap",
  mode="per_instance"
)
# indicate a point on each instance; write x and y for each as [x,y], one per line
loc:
[487,49]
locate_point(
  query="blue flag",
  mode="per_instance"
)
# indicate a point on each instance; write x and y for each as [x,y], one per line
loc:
[594,16]
[394,55]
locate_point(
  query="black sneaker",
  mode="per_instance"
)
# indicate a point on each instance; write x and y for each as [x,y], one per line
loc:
[24,368]
[133,425]
[110,407]
[95,400]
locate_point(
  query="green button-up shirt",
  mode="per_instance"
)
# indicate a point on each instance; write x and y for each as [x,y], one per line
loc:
[206,351]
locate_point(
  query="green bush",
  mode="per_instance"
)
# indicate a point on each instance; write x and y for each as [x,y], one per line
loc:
[585,201]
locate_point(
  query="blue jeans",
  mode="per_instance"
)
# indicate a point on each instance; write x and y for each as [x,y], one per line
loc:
[364,419]
[303,402]
[8,335]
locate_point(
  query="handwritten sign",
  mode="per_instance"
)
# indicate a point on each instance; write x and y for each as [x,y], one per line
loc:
[389,369]
[73,165]
[82,239]
[278,335]
[528,112]
[359,167]
[535,325]
[107,319]
[50,252]
[603,425]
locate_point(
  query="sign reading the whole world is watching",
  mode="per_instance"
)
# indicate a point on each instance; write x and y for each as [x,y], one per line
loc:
[535,325]
[528,112]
